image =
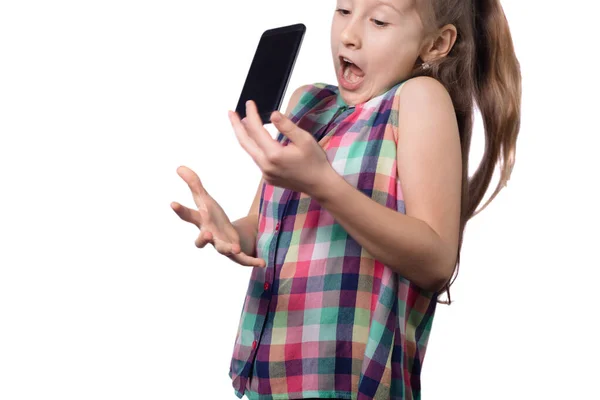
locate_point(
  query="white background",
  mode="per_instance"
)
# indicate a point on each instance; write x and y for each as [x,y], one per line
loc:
[103,294]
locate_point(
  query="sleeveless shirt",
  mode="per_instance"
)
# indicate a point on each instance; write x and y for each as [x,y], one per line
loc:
[324,319]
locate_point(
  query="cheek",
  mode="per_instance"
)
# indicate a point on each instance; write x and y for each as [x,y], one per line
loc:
[334,43]
[390,51]
[407,46]
[334,36]
[336,28]
[392,59]
[414,35]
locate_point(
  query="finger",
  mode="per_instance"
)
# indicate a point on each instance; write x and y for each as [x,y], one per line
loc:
[187,214]
[246,260]
[222,246]
[257,132]
[246,141]
[203,239]
[289,129]
[206,237]
[194,183]
[235,248]
[225,247]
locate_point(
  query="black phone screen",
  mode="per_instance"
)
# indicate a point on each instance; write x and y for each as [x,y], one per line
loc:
[270,70]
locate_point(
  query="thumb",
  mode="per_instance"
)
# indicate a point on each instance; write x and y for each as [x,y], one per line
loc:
[285,125]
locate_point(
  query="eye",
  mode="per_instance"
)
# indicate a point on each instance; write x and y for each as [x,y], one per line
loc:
[342,11]
[380,23]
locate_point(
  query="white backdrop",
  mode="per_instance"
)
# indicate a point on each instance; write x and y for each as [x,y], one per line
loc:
[103,294]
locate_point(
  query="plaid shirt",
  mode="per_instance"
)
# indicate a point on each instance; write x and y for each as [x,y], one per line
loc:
[324,318]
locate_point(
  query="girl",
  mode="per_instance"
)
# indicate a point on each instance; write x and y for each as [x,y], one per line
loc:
[358,222]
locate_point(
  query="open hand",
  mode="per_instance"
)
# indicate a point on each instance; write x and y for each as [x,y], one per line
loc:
[215,227]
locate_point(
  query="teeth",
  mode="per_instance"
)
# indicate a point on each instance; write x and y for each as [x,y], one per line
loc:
[348,61]
[350,77]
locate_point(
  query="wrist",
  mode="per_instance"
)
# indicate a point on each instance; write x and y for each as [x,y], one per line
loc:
[247,229]
[327,184]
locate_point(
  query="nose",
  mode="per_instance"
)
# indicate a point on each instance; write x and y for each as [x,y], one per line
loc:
[351,35]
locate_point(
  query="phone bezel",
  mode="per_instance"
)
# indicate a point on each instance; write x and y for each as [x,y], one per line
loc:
[266,115]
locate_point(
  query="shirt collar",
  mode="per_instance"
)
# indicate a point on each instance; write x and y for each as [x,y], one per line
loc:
[339,101]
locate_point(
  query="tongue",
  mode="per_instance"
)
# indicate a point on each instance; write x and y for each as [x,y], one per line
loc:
[356,71]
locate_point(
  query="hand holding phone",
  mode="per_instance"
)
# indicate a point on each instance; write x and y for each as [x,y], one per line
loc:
[271,69]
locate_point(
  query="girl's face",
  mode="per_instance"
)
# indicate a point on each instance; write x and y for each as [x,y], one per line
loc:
[383,38]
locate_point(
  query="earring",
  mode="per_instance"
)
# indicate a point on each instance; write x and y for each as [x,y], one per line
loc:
[425,66]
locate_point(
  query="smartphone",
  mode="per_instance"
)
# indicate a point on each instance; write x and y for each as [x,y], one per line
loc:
[271,69]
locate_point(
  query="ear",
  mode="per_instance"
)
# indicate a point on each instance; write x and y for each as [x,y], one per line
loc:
[439,44]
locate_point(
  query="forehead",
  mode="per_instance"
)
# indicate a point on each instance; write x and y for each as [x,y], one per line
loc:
[400,5]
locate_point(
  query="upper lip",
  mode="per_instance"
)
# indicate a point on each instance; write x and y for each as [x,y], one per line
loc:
[347,58]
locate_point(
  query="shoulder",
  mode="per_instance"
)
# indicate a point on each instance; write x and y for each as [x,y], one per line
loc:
[422,100]
[423,91]
[296,94]
[309,95]
[427,132]
[295,97]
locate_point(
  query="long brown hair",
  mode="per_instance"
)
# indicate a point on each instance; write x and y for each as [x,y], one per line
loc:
[481,69]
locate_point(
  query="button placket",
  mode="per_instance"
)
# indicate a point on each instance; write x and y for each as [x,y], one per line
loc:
[272,253]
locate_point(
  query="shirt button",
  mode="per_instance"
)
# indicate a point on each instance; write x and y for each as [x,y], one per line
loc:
[277,227]
[254,344]
[266,286]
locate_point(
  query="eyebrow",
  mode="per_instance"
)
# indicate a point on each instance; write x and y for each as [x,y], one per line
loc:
[388,4]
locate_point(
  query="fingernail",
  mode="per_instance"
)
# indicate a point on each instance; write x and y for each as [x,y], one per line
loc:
[247,103]
[276,117]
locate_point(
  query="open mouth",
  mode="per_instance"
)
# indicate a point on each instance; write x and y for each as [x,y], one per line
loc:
[350,71]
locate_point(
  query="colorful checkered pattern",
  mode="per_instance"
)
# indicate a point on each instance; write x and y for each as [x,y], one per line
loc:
[325,319]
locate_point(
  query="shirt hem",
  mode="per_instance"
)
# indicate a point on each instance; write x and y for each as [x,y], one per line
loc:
[309,394]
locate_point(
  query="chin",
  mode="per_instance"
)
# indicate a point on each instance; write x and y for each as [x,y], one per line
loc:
[347,97]
[352,98]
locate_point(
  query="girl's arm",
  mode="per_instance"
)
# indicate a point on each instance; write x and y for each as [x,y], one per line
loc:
[422,245]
